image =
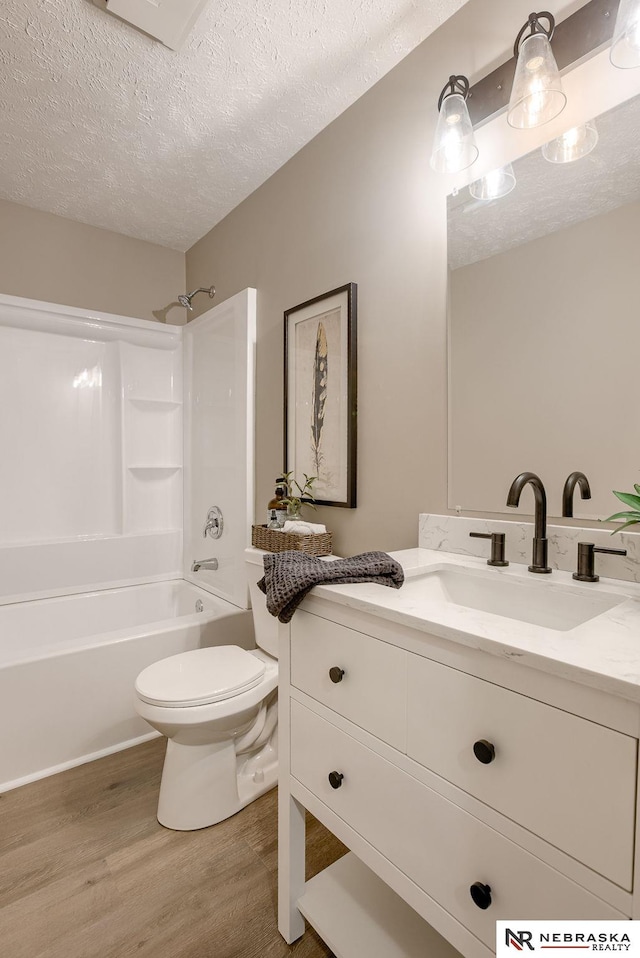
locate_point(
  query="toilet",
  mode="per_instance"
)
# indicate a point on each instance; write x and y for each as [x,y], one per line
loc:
[218,710]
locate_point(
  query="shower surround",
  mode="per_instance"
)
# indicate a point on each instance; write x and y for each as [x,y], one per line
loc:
[117,434]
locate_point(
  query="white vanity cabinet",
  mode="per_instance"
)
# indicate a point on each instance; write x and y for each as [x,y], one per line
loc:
[469,789]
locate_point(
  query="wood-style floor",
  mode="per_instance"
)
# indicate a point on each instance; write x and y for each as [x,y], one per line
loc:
[86,871]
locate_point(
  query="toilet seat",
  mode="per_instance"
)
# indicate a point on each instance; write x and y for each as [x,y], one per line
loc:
[200,677]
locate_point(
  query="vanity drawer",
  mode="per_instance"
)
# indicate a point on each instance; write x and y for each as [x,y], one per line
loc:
[566,779]
[441,847]
[372,692]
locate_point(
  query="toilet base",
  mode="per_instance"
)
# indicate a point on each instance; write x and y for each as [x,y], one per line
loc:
[258,773]
[204,784]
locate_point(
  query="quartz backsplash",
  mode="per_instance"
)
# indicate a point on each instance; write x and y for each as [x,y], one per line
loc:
[451,534]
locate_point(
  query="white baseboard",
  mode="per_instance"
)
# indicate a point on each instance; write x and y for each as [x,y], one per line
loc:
[74,762]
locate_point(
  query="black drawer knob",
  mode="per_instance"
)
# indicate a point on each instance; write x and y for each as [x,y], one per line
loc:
[335,779]
[481,894]
[484,751]
[335,674]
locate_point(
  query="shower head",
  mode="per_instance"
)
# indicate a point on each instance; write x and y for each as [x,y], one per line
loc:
[185,298]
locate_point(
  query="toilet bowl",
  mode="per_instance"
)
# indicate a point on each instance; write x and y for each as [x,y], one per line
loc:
[218,710]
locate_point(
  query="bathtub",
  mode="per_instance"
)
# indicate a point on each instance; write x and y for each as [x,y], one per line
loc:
[68,664]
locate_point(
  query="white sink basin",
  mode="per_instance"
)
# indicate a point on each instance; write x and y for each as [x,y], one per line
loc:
[538,603]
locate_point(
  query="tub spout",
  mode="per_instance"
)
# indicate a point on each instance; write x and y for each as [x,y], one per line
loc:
[211,564]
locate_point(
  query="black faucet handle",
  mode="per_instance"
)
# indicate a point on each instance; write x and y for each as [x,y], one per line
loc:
[497,546]
[586,560]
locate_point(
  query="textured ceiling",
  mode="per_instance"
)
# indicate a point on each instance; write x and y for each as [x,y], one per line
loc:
[549,196]
[102,124]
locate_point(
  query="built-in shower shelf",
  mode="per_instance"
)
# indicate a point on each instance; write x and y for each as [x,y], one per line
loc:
[142,468]
[158,403]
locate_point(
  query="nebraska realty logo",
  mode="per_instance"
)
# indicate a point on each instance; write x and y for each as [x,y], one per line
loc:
[558,936]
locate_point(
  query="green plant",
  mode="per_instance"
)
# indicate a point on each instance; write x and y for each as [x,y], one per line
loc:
[632,516]
[296,492]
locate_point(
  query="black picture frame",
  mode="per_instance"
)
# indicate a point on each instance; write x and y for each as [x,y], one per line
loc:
[320,394]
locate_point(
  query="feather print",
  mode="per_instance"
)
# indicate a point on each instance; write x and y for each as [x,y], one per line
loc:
[319,397]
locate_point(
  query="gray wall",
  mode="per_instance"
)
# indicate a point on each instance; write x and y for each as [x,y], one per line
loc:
[354,206]
[359,204]
[54,259]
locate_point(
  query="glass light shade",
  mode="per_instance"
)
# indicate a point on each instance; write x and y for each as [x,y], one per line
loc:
[572,145]
[494,185]
[537,95]
[625,46]
[454,146]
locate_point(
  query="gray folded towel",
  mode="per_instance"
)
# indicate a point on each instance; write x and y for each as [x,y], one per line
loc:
[288,576]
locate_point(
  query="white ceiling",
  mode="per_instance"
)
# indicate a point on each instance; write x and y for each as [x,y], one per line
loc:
[104,125]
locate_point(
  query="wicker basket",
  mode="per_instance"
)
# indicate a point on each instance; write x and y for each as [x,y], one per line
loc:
[272,540]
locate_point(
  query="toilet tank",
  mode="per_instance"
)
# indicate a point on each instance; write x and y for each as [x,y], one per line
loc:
[265,624]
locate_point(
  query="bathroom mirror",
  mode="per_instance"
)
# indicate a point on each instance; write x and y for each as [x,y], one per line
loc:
[544,327]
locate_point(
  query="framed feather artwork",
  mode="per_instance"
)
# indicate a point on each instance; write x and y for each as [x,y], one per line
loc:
[320,389]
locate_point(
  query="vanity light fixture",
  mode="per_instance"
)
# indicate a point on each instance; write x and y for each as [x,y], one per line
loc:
[454,145]
[536,95]
[625,47]
[577,142]
[532,79]
[494,185]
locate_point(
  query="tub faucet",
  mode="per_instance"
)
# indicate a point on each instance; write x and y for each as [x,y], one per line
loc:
[211,564]
[540,541]
[214,525]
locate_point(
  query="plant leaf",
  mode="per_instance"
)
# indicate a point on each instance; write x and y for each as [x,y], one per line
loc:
[632,516]
[629,499]
[636,487]
[631,522]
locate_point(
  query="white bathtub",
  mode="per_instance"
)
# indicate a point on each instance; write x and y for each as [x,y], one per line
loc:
[67,668]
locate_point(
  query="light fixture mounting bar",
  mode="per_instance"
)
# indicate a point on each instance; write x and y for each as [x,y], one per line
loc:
[584,31]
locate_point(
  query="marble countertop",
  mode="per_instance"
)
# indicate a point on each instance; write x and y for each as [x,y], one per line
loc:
[603,652]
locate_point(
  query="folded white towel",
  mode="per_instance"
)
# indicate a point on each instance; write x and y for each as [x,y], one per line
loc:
[299,527]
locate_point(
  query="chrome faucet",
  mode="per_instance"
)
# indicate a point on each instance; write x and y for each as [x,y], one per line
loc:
[211,564]
[573,480]
[214,525]
[540,541]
